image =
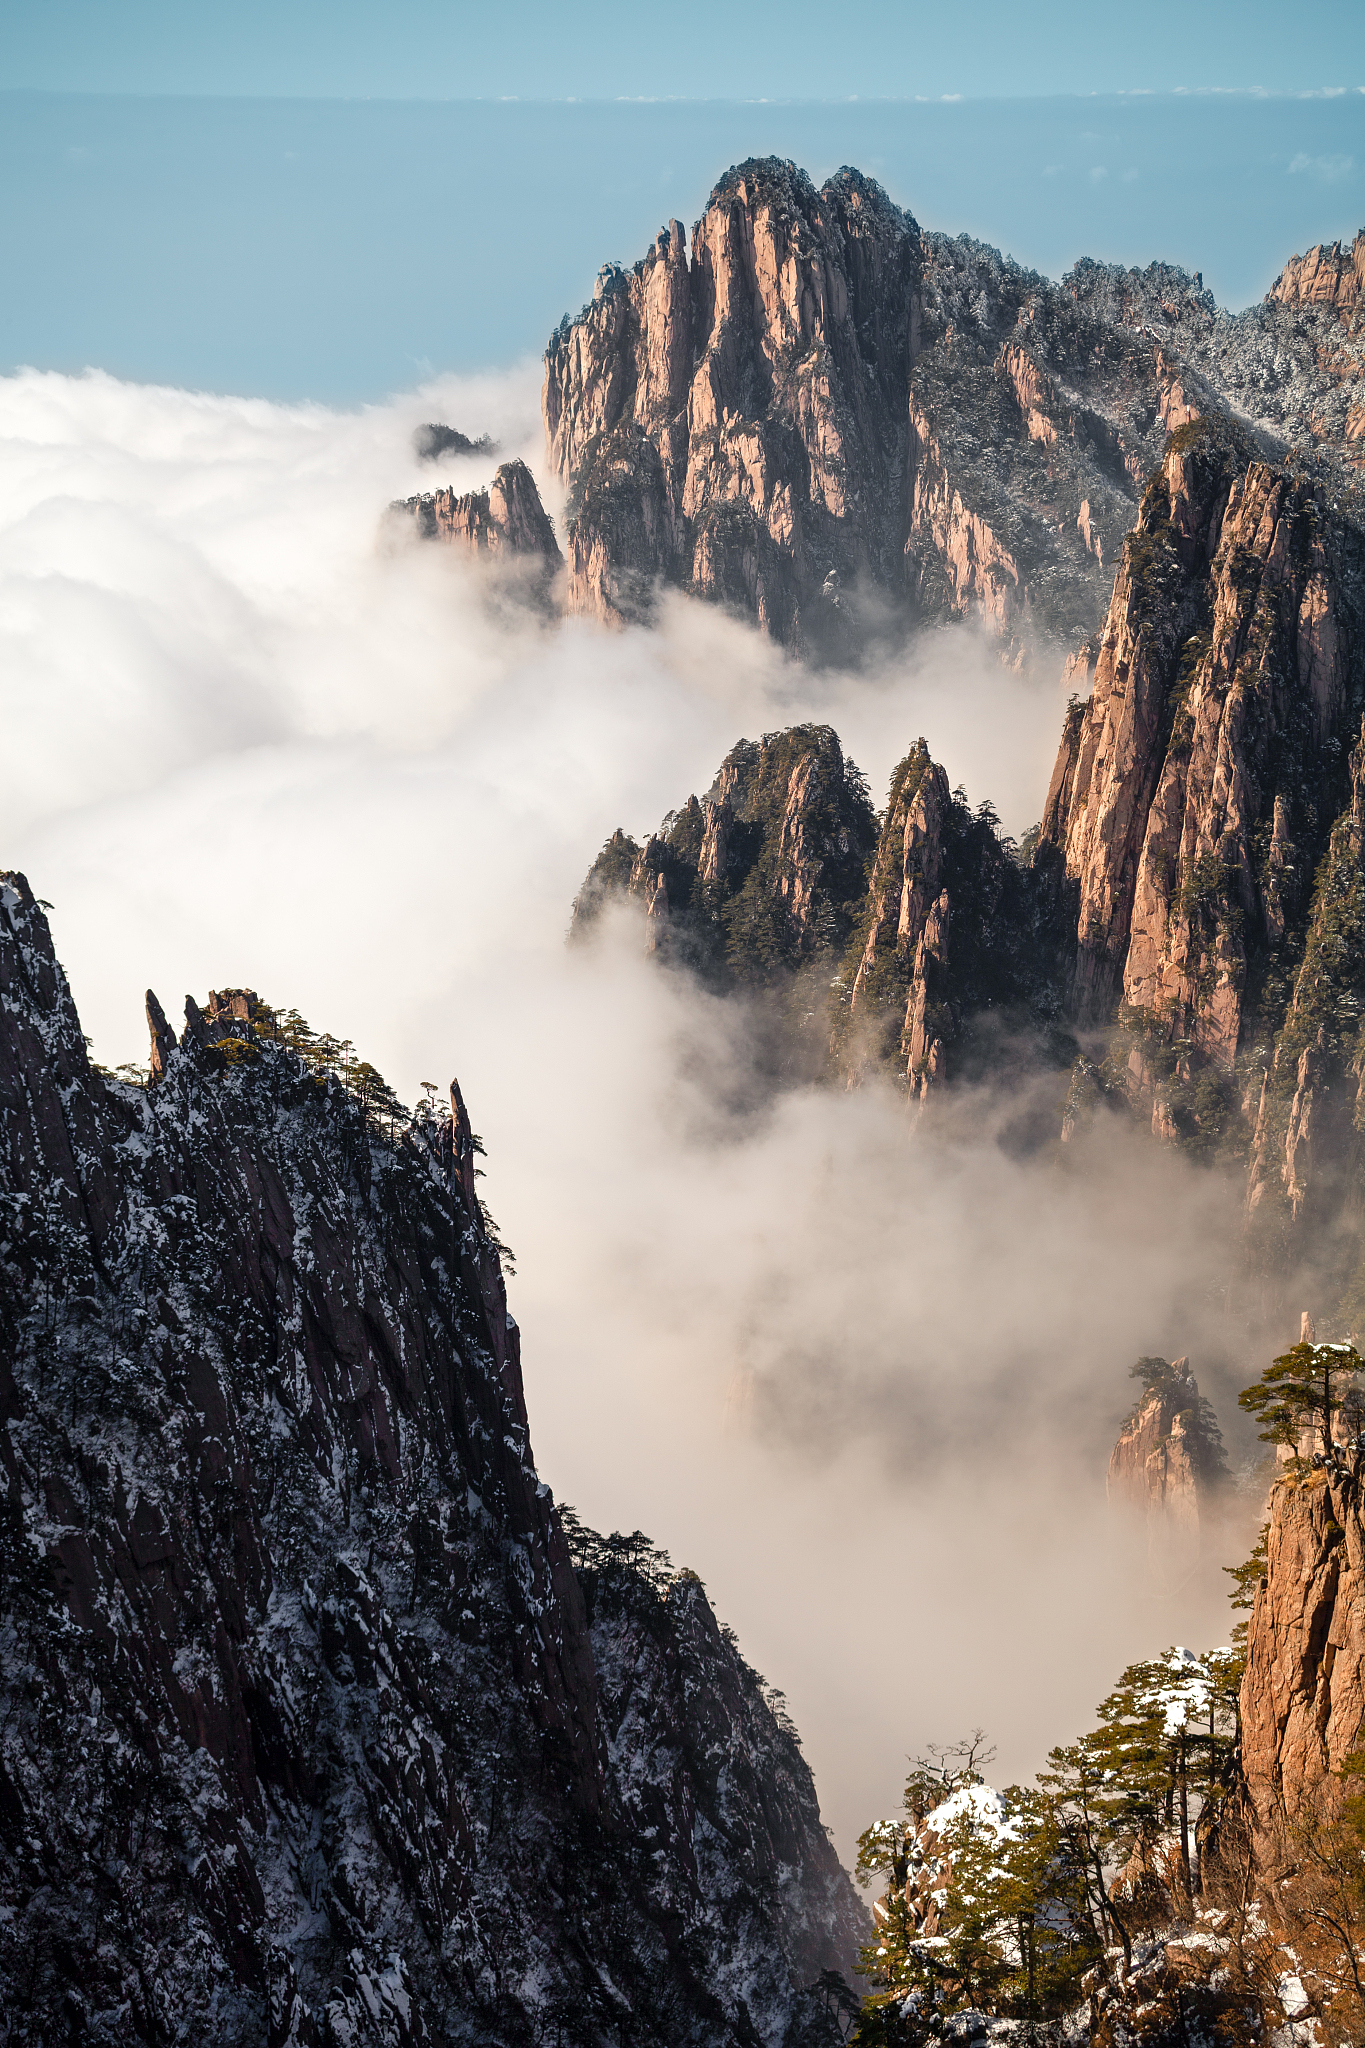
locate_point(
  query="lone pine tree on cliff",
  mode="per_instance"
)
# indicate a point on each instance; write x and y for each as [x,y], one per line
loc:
[1305,1388]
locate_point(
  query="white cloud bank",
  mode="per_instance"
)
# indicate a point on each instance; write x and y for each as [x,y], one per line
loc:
[862,1377]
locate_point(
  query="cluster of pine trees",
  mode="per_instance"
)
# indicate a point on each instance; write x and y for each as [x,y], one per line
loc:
[327,1057]
[1000,1902]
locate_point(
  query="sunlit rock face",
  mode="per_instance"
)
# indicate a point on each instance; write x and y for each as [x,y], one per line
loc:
[835,424]
[307,1733]
[829,420]
[1303,1696]
[1198,790]
[907,945]
[735,421]
[1327,275]
[506,520]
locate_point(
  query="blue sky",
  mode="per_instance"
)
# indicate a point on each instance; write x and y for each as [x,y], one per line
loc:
[334,203]
[709,49]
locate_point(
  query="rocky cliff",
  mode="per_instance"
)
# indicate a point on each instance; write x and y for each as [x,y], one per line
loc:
[1195,791]
[1166,1470]
[957,957]
[506,520]
[308,1735]
[823,412]
[1037,412]
[836,423]
[1305,1178]
[1303,1696]
[734,421]
[1326,276]
[761,875]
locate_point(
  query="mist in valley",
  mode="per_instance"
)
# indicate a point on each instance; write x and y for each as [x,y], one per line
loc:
[859,1370]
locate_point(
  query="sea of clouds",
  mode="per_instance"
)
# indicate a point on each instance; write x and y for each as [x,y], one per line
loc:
[860,1372]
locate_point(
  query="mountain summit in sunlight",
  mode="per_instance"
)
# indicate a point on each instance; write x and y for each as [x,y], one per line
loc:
[840,424]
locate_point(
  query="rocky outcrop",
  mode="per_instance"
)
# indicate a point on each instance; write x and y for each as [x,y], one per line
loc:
[959,957]
[822,405]
[734,422]
[505,520]
[1193,793]
[1165,1472]
[1327,275]
[955,559]
[681,1710]
[914,939]
[1303,1696]
[306,1735]
[761,876]
[967,1807]
[1036,417]
[433,440]
[1305,1171]
[901,980]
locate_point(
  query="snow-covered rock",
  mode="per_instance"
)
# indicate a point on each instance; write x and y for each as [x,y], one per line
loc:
[304,1737]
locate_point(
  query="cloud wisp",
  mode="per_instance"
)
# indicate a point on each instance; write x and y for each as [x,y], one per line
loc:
[1330,169]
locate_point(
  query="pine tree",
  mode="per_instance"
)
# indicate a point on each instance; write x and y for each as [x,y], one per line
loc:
[1305,1388]
[1156,1718]
[1100,1811]
[1245,1580]
[995,1877]
[886,1851]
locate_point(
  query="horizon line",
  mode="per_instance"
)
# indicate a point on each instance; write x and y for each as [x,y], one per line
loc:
[305,97]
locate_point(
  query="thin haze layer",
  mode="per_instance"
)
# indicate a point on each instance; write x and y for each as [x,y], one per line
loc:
[861,1375]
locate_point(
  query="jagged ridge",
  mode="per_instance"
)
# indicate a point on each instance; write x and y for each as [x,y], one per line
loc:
[900,943]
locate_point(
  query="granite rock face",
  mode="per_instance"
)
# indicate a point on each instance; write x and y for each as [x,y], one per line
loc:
[1303,1695]
[1165,1472]
[1195,790]
[824,413]
[1037,412]
[957,948]
[909,916]
[836,424]
[306,1734]
[763,873]
[506,520]
[1326,276]
[734,422]
[700,1747]
[903,945]
[1305,1164]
